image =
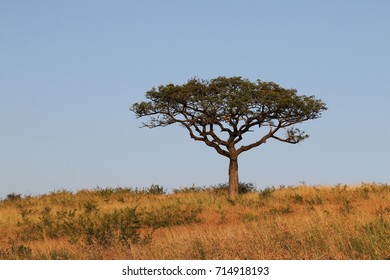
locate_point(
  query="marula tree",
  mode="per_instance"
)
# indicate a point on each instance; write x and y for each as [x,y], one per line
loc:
[220,111]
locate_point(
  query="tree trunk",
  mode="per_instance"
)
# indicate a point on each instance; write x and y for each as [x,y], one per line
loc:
[233,177]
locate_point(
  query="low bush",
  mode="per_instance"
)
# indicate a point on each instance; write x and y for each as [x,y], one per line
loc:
[243,188]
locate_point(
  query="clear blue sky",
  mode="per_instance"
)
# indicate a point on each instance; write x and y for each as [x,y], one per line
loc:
[69,70]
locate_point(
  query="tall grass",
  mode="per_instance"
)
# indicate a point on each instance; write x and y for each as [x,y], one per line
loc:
[302,222]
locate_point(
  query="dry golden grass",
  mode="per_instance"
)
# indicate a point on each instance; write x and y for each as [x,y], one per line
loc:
[302,222]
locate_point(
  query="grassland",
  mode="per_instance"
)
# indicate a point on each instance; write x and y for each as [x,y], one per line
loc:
[302,222]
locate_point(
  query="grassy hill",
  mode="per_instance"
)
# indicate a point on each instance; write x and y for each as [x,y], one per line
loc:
[302,222]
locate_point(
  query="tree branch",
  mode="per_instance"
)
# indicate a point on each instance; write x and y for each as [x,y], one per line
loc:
[206,140]
[261,141]
[286,140]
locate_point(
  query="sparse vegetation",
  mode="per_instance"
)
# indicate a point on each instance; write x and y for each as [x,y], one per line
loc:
[303,222]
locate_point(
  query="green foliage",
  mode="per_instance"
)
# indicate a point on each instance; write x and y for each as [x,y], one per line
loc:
[13,197]
[234,105]
[297,198]
[105,229]
[192,189]
[15,251]
[155,189]
[21,251]
[122,226]
[171,215]
[250,217]
[108,193]
[283,210]
[220,111]
[317,200]
[25,213]
[222,99]
[266,192]
[243,188]
[90,206]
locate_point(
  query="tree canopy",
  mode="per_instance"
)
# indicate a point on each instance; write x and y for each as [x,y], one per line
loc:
[220,111]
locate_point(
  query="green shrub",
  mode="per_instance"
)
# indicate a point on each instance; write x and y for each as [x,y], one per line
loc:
[15,251]
[192,189]
[243,188]
[266,192]
[280,210]
[297,198]
[155,189]
[13,197]
[121,226]
[90,206]
[171,215]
